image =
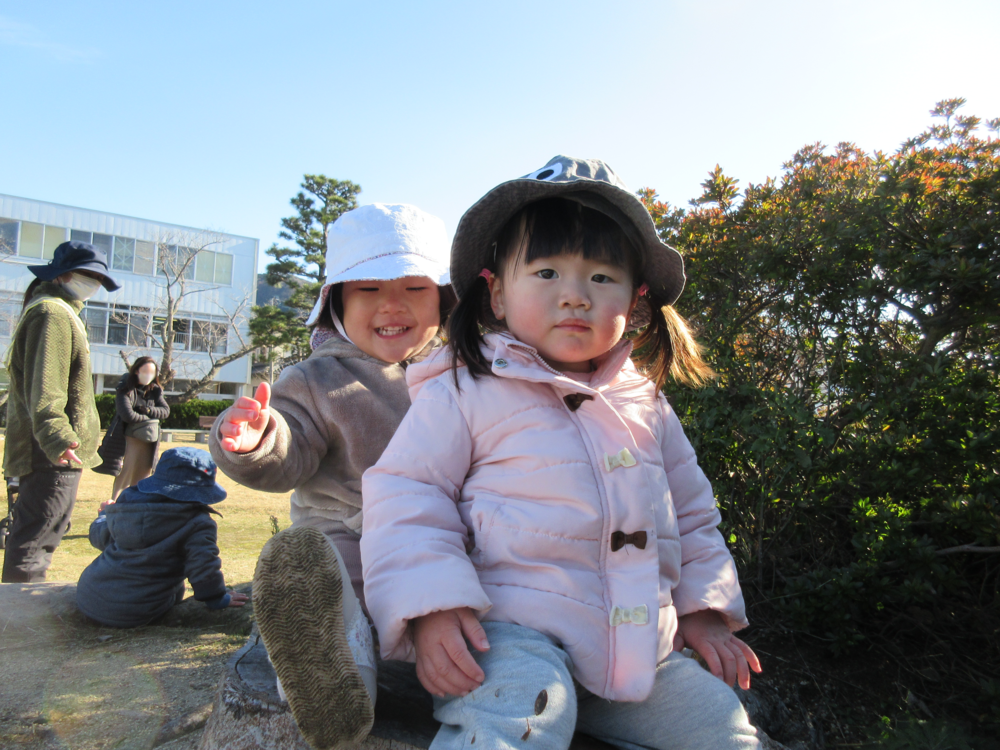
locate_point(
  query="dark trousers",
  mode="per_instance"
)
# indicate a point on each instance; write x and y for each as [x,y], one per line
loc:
[41,518]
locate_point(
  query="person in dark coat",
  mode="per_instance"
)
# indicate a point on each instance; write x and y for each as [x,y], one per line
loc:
[139,406]
[157,534]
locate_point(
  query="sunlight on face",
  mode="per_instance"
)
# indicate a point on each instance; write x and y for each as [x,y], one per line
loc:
[571,310]
[391,320]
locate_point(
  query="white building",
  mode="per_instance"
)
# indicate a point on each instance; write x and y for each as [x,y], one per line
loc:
[219,287]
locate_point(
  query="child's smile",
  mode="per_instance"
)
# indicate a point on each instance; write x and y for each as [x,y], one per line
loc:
[570,309]
[391,320]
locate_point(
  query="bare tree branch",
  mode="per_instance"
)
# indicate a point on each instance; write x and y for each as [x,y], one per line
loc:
[176,264]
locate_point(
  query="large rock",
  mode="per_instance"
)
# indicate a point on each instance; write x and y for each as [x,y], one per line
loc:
[68,682]
[248,714]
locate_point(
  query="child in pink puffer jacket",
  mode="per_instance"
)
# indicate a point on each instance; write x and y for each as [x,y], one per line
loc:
[541,484]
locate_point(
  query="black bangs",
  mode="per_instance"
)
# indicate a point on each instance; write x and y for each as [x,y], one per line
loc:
[543,229]
[555,226]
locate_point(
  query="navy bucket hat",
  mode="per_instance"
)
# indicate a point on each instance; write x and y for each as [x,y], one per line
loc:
[76,256]
[184,474]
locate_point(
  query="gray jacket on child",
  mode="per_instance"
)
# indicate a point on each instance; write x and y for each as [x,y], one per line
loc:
[331,417]
[150,545]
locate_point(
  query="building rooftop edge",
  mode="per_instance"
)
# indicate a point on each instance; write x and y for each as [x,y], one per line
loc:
[133,218]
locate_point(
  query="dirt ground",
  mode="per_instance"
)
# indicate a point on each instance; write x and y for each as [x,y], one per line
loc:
[70,683]
[66,682]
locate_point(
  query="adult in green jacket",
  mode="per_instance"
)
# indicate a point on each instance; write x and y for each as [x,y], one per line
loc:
[52,422]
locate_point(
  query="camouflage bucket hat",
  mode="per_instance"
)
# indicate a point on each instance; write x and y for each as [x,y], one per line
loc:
[586,181]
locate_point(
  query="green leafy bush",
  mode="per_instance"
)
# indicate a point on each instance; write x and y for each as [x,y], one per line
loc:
[910,733]
[182,416]
[852,311]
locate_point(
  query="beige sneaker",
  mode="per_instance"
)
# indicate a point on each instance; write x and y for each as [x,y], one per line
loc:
[317,637]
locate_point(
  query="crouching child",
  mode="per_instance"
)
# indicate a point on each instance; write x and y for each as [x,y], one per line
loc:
[157,534]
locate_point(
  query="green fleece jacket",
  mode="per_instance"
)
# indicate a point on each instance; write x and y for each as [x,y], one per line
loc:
[51,385]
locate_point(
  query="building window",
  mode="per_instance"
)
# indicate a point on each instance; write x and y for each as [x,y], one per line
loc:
[196,334]
[31,240]
[145,257]
[10,311]
[116,325]
[220,338]
[208,336]
[138,326]
[54,237]
[95,316]
[214,267]
[8,236]
[124,255]
[223,269]
[104,243]
[30,245]
[173,258]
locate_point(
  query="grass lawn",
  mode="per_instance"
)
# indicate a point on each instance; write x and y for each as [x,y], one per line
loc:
[245,526]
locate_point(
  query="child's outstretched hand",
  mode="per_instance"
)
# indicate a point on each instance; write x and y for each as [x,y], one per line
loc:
[236,599]
[246,421]
[444,664]
[728,658]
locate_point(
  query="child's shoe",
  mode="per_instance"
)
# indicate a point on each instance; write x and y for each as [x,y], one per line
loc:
[317,637]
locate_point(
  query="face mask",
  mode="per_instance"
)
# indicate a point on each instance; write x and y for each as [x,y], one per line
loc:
[81,287]
[145,378]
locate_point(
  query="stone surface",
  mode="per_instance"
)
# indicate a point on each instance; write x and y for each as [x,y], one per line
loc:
[249,714]
[71,683]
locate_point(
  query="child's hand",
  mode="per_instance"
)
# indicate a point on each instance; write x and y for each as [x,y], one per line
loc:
[245,421]
[236,599]
[105,504]
[728,658]
[444,664]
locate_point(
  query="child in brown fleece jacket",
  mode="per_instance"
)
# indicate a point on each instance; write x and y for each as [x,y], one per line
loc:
[328,420]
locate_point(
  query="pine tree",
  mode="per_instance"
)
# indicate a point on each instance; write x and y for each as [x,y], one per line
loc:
[282,329]
[321,202]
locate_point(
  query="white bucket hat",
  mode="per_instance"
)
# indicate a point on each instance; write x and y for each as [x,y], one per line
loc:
[381,242]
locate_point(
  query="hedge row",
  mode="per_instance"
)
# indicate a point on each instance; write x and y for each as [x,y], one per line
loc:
[182,416]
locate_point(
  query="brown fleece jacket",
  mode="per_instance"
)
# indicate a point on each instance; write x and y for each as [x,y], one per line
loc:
[331,417]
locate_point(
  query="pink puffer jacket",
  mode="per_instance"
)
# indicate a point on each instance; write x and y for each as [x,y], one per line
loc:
[521,496]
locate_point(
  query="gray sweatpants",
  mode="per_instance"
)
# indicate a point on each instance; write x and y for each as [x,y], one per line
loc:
[689,709]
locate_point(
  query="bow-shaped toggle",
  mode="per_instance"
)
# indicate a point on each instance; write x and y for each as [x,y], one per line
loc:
[621,458]
[574,400]
[619,539]
[625,615]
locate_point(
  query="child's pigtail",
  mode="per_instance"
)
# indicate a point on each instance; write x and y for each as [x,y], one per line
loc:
[465,326]
[667,348]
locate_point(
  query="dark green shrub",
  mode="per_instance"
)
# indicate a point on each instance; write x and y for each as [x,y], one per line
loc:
[185,416]
[182,416]
[852,310]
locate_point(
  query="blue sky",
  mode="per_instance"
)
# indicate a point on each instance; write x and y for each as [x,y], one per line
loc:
[208,114]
